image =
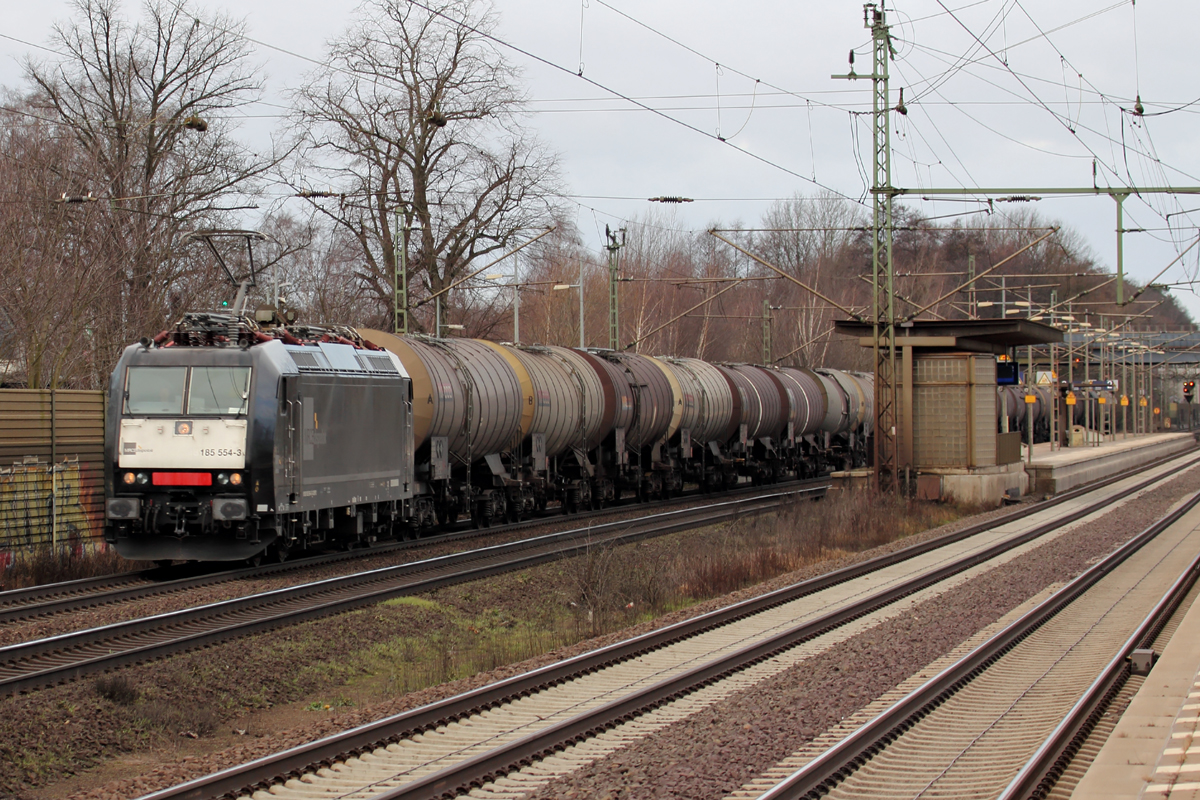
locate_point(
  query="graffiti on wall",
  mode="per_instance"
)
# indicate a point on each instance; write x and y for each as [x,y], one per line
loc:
[43,504]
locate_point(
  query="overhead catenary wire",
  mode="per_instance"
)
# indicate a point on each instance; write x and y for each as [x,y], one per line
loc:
[547,62]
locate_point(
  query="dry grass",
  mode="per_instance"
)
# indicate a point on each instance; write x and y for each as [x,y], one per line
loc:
[611,585]
[49,565]
[607,587]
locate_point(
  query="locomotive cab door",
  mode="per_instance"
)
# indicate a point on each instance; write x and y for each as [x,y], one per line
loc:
[288,468]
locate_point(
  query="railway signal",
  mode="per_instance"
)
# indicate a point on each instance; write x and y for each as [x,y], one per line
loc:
[1189,390]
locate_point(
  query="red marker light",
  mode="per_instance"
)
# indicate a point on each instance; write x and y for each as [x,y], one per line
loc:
[183,479]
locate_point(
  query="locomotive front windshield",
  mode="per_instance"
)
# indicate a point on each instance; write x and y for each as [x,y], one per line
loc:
[219,390]
[207,390]
[155,390]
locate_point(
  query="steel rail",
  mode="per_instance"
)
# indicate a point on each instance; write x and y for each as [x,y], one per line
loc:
[16,604]
[1037,778]
[55,598]
[260,773]
[821,774]
[31,665]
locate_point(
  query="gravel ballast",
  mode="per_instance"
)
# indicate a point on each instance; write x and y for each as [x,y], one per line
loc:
[705,756]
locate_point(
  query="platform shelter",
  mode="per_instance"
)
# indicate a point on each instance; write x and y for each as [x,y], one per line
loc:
[947,436]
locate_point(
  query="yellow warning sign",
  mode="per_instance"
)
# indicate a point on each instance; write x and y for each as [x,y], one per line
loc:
[1101,400]
[1031,399]
[1070,398]
[1124,400]
[1142,402]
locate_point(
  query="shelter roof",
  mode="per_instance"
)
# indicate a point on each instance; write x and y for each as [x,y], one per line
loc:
[971,335]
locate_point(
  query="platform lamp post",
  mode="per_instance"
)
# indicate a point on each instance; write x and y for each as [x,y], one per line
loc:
[516,287]
[558,287]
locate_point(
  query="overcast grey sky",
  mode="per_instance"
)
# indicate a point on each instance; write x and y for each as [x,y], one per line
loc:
[1000,93]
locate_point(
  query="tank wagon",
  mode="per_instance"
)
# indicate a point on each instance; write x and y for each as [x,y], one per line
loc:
[1011,405]
[272,439]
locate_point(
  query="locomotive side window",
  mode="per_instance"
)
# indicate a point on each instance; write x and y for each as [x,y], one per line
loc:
[219,390]
[155,390]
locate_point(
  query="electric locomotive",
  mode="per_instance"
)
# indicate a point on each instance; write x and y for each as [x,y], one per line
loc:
[224,442]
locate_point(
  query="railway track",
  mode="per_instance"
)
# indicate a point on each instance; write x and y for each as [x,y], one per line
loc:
[18,605]
[30,665]
[579,709]
[1005,720]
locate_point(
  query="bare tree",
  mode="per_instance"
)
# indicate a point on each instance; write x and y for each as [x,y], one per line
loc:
[416,116]
[813,239]
[53,282]
[139,101]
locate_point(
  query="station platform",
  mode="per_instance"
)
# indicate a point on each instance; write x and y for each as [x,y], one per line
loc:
[1154,751]
[1054,471]
[1049,471]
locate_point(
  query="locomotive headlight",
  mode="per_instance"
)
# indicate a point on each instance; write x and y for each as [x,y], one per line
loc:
[129,478]
[143,478]
[222,478]
[236,479]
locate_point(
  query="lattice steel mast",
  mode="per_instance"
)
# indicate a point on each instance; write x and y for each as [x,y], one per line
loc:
[882,272]
[614,246]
